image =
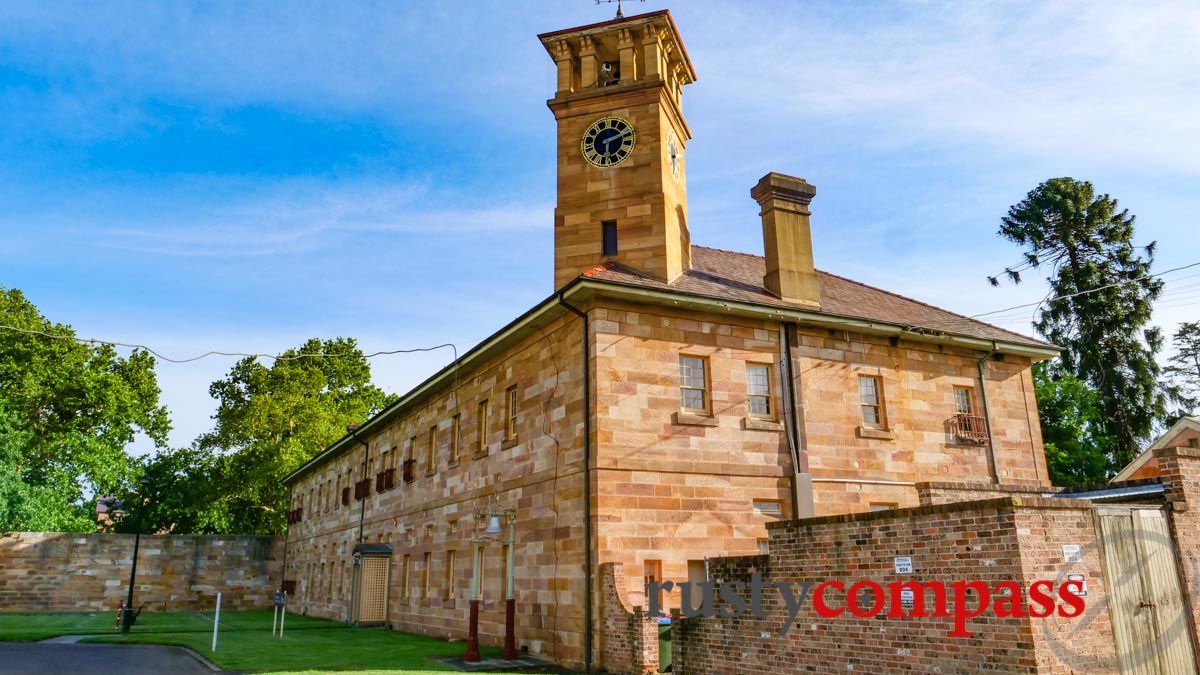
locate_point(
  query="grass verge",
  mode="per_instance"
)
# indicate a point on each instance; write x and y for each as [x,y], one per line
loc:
[308,645]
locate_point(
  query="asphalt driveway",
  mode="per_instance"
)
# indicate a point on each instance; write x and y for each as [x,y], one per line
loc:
[20,658]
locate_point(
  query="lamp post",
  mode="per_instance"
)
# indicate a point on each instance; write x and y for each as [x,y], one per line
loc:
[127,615]
[495,526]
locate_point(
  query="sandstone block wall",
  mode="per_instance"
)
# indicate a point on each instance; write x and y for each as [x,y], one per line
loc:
[50,571]
[675,487]
[536,472]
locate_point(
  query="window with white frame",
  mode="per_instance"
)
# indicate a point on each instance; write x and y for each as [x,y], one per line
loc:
[693,383]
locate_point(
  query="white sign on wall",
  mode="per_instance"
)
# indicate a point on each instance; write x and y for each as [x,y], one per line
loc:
[904,565]
[1071,553]
[1080,584]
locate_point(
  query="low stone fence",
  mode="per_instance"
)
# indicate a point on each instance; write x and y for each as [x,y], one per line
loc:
[55,571]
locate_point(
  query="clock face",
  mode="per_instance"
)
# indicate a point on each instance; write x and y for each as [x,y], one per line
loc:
[608,142]
[674,155]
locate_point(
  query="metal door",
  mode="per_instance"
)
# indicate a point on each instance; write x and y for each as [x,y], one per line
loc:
[370,590]
[1145,598]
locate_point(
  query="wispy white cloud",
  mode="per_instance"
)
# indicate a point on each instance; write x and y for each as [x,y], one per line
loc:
[1102,81]
[298,217]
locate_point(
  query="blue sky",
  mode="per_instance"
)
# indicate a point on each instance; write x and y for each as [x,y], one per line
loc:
[242,176]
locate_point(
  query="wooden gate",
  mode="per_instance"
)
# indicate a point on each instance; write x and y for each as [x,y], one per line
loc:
[1145,598]
[371,589]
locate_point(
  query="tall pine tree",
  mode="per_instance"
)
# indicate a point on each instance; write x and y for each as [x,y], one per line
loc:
[1099,309]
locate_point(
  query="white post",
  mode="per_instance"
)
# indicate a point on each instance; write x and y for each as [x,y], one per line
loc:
[216,622]
[274,620]
[283,614]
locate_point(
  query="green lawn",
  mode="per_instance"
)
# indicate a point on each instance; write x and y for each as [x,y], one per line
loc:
[309,645]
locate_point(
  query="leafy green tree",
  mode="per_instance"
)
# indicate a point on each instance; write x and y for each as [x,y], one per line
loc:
[1072,429]
[183,495]
[1184,369]
[272,419]
[78,405]
[31,508]
[1100,305]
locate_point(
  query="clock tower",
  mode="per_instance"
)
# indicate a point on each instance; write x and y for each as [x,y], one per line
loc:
[622,193]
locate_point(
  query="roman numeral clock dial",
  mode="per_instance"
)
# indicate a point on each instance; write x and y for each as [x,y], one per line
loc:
[608,142]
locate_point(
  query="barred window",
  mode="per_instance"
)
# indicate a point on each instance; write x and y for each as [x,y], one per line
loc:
[693,383]
[449,574]
[510,413]
[455,433]
[431,451]
[484,411]
[871,400]
[758,383]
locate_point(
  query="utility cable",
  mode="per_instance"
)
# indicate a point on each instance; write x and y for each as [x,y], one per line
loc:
[159,355]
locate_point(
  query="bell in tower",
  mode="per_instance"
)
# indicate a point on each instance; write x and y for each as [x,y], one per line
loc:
[622,193]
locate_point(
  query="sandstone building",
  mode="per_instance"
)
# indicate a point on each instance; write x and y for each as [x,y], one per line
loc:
[661,406]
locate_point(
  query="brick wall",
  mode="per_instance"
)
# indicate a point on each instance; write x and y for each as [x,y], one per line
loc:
[1180,473]
[1011,539]
[949,493]
[630,637]
[44,571]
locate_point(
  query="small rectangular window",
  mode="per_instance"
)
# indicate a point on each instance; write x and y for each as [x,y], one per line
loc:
[870,397]
[770,509]
[405,568]
[764,546]
[510,413]
[758,384]
[425,575]
[449,574]
[693,383]
[431,452]
[482,442]
[964,402]
[455,433]
[608,233]
[883,506]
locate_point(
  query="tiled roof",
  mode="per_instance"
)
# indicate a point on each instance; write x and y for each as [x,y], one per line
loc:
[739,276]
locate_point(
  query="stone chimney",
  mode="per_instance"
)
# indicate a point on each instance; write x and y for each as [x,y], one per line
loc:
[787,238]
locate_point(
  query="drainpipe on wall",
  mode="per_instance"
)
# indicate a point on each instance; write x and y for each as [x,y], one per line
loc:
[587,485]
[987,414]
[802,491]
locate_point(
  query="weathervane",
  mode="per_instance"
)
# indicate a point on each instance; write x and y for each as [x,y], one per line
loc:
[620,14]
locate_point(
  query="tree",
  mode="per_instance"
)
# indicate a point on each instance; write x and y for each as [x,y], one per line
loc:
[78,406]
[1099,308]
[184,495]
[1184,368]
[271,420]
[31,508]
[1072,429]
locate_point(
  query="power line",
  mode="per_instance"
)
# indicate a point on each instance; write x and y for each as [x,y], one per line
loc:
[1007,311]
[1090,290]
[157,354]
